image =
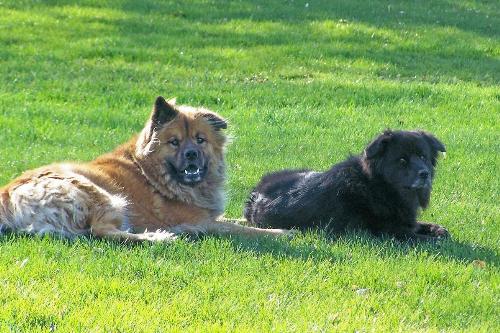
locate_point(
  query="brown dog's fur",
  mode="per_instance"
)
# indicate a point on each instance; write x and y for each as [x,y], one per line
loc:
[136,188]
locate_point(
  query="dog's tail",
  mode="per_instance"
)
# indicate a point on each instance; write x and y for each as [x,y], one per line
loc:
[256,209]
[263,212]
[252,207]
[4,213]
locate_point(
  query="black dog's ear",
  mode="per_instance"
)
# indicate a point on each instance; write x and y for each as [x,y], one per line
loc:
[163,112]
[435,144]
[377,146]
[424,196]
[215,120]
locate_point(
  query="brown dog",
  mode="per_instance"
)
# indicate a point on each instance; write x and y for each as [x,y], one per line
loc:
[169,178]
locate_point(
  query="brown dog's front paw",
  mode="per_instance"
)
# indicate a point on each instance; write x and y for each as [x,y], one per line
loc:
[293,232]
[290,233]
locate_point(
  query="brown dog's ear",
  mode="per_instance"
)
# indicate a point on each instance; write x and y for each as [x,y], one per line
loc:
[433,142]
[377,146]
[163,112]
[215,120]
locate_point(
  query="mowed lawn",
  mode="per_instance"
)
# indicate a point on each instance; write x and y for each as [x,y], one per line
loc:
[303,84]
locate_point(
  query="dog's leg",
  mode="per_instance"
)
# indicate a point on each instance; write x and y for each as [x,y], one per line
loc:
[108,219]
[222,227]
[431,230]
[229,228]
[109,231]
[420,232]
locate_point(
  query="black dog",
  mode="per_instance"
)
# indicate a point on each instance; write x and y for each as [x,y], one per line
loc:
[381,191]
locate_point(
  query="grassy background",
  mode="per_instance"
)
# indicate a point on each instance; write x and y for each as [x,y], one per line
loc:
[303,83]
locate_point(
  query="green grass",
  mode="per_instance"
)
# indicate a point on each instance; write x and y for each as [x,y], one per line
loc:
[301,87]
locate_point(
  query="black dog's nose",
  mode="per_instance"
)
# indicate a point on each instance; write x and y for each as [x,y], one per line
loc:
[424,174]
[191,154]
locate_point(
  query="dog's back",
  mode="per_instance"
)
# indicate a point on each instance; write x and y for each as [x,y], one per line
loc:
[291,199]
[304,199]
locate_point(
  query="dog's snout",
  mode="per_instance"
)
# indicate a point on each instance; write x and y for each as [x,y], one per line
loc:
[191,154]
[424,174]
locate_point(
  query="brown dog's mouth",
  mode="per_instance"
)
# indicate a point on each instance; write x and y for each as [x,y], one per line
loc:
[192,174]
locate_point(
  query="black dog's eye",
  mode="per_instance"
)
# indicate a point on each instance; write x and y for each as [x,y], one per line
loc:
[174,142]
[403,162]
[422,157]
[200,140]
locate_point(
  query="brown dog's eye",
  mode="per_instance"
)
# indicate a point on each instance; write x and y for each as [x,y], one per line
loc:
[403,162]
[174,142]
[200,140]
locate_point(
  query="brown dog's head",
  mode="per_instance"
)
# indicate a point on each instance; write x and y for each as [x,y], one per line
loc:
[182,146]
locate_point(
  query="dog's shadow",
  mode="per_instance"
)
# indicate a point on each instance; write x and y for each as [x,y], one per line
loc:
[319,246]
[462,251]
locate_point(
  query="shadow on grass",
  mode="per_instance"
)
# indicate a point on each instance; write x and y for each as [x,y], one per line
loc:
[468,252]
[314,246]
[480,19]
[295,32]
[324,247]
[425,41]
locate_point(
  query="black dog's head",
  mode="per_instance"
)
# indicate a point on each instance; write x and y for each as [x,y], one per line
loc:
[406,161]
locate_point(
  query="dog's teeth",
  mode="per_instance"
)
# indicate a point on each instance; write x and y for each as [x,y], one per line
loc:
[197,170]
[186,172]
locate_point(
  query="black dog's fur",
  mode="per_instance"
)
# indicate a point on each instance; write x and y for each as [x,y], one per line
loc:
[380,190]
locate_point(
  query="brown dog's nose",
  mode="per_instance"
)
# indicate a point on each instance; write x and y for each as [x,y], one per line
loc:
[191,154]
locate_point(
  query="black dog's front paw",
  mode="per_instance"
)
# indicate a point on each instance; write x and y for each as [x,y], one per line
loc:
[439,231]
[432,230]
